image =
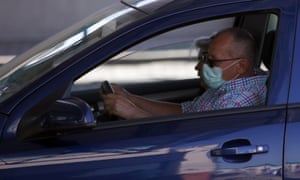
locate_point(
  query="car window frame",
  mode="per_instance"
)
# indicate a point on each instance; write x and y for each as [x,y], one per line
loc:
[203,115]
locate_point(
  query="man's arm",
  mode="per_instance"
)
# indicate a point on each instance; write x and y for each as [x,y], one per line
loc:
[129,106]
[155,108]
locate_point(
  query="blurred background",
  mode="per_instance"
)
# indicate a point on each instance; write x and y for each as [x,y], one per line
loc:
[23,24]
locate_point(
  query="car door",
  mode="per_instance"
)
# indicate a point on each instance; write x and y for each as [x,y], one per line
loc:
[291,156]
[226,144]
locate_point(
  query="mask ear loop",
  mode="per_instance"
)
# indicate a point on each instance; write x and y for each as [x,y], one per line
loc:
[229,66]
[236,76]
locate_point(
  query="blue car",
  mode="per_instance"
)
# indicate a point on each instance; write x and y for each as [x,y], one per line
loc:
[53,123]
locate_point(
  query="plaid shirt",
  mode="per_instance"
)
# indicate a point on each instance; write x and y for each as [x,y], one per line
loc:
[241,92]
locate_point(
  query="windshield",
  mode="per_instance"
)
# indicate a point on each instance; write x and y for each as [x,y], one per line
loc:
[33,64]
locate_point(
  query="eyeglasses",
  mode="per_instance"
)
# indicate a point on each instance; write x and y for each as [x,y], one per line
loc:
[203,58]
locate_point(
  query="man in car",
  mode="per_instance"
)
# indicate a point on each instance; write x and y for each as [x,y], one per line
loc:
[227,70]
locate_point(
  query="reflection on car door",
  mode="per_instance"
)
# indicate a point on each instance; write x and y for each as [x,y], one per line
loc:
[158,150]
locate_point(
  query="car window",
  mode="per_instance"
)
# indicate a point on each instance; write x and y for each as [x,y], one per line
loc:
[168,56]
[173,55]
[269,41]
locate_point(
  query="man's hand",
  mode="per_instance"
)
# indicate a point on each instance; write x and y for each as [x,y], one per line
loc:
[120,105]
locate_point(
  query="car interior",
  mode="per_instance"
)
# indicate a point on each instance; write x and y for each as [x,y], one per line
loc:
[182,88]
[161,68]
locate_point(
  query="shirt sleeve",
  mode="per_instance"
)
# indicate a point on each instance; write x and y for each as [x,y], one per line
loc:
[191,106]
[186,106]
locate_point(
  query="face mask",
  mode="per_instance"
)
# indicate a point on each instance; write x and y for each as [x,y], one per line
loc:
[212,76]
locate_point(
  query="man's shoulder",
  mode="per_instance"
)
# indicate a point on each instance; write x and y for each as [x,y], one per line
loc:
[247,84]
[249,81]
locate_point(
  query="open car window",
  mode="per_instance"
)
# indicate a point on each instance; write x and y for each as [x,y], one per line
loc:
[163,67]
[165,57]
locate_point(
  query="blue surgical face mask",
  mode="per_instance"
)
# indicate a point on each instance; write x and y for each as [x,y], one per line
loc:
[212,76]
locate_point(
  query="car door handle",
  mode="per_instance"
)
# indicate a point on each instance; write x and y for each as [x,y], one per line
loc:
[241,150]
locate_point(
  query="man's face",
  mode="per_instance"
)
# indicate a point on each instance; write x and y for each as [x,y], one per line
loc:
[220,55]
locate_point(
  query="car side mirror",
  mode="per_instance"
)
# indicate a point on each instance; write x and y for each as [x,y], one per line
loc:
[68,114]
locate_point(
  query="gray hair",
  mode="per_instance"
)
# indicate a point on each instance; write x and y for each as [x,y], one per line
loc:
[243,41]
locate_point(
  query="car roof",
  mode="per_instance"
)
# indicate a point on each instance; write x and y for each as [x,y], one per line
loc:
[151,7]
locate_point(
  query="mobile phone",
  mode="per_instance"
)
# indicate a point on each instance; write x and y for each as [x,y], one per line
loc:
[106,87]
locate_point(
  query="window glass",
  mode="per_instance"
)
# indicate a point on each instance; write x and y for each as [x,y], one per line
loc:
[273,22]
[43,58]
[269,40]
[169,56]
